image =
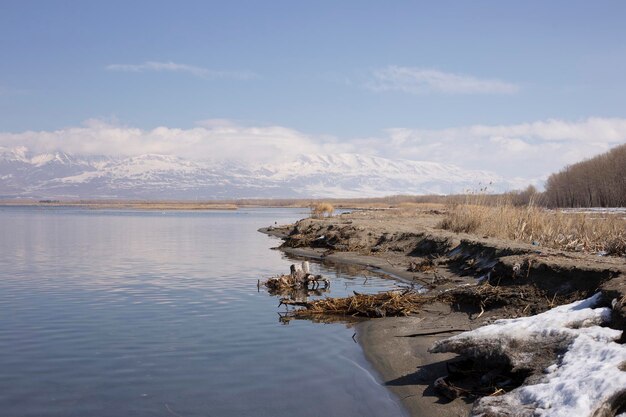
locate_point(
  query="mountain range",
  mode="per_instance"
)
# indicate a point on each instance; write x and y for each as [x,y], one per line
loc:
[60,175]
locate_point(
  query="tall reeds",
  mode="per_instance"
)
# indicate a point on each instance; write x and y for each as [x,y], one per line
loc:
[320,210]
[589,232]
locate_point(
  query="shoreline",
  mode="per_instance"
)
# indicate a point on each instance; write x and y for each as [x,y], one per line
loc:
[396,358]
[376,241]
[404,363]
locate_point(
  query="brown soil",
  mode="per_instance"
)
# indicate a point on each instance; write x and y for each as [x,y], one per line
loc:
[407,243]
[472,281]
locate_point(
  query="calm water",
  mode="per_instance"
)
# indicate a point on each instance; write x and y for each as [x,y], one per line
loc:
[130,313]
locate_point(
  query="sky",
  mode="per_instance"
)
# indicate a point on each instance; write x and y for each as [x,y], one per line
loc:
[518,88]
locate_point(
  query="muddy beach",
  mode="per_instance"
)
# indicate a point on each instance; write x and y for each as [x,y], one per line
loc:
[472,281]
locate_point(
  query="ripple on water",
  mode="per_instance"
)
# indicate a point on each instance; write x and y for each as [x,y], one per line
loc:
[133,313]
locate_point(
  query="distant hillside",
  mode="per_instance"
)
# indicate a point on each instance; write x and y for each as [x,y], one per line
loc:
[596,182]
[64,176]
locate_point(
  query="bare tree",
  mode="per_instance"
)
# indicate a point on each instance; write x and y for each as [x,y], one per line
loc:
[596,182]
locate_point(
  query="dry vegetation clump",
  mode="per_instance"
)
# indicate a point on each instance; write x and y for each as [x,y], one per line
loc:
[384,304]
[285,284]
[281,283]
[293,289]
[320,210]
[598,232]
[517,300]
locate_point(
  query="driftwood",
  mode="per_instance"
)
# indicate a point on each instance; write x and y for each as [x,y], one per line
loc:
[299,280]
[296,287]
[389,303]
[408,301]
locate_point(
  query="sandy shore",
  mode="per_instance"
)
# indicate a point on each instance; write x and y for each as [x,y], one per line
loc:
[404,363]
[398,243]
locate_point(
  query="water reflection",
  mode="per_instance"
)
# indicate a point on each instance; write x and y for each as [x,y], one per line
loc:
[110,313]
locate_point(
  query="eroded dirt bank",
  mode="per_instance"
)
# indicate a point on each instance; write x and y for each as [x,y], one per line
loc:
[491,279]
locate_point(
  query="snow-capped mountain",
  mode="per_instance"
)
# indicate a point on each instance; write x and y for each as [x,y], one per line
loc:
[60,175]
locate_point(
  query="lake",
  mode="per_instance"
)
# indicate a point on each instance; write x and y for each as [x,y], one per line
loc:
[140,313]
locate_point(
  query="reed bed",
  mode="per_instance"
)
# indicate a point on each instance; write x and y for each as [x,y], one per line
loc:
[603,233]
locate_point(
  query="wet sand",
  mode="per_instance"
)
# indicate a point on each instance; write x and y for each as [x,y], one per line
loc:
[404,363]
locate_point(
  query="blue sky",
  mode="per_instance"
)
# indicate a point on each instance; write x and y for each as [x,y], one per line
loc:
[357,72]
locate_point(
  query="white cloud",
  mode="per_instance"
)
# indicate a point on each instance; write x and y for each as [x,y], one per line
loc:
[421,80]
[174,67]
[216,140]
[527,150]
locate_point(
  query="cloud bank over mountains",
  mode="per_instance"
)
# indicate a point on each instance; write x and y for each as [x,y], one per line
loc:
[525,150]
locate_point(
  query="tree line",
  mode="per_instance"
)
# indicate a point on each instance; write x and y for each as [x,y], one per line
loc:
[596,182]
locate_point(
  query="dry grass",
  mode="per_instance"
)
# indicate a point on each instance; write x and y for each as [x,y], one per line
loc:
[598,232]
[384,304]
[395,303]
[320,210]
[421,206]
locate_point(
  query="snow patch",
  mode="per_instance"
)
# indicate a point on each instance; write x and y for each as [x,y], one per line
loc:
[81,178]
[584,379]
